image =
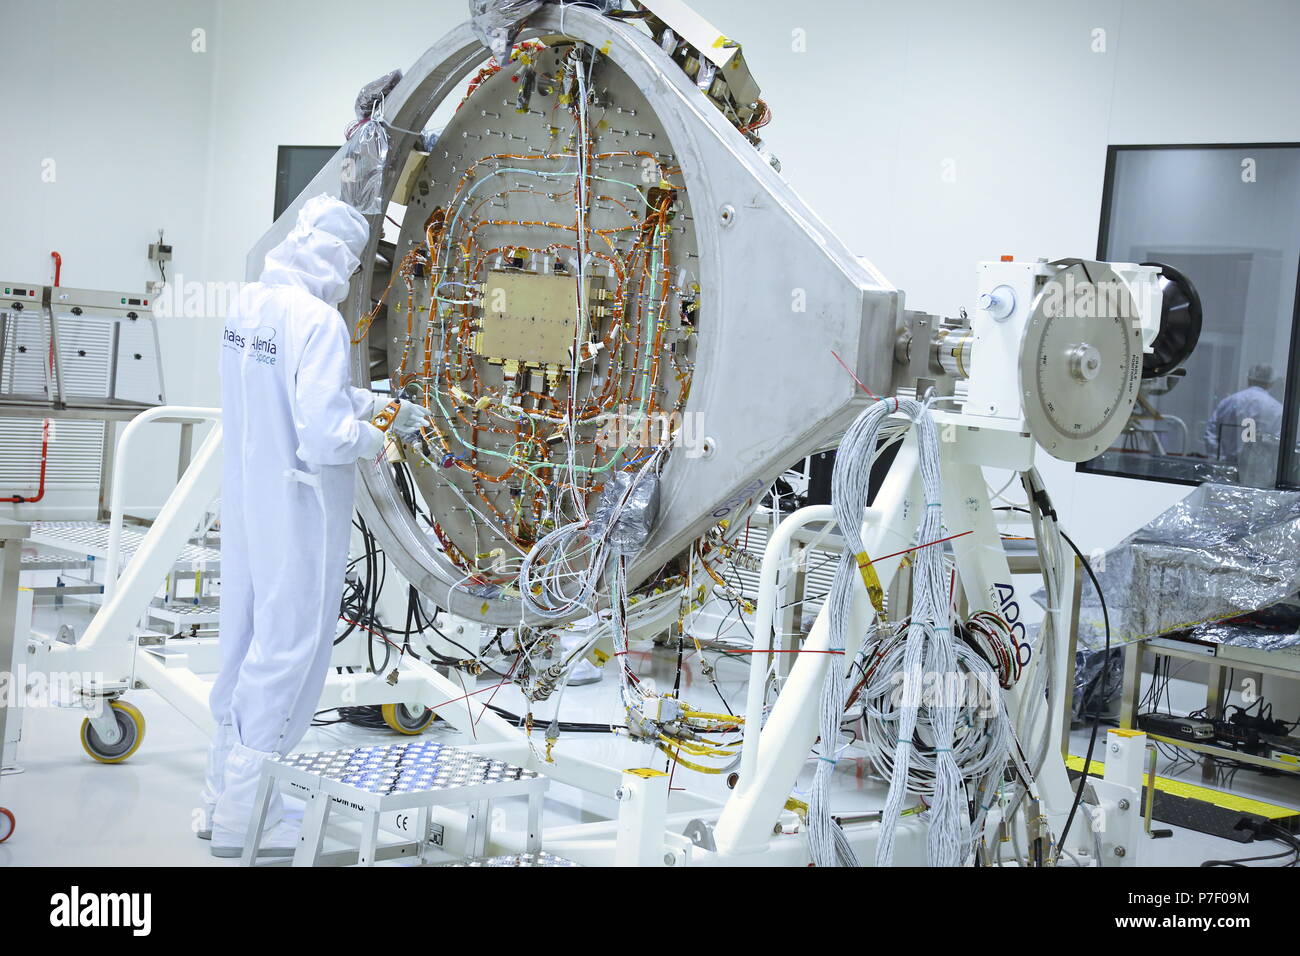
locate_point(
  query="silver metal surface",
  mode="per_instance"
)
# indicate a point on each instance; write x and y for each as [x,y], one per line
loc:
[91,538]
[1081,361]
[780,293]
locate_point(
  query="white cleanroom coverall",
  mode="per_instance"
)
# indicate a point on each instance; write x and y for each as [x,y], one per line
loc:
[294,428]
[1224,429]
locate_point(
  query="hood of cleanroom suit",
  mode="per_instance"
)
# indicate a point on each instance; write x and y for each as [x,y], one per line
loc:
[321,252]
[294,428]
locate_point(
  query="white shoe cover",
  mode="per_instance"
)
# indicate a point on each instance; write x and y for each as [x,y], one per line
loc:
[280,840]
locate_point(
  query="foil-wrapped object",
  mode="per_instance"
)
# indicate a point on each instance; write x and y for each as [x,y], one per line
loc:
[1222,552]
[631,501]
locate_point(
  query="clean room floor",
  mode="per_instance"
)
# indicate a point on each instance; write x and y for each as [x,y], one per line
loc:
[73,811]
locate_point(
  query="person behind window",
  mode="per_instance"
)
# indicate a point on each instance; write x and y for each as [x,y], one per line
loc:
[1252,413]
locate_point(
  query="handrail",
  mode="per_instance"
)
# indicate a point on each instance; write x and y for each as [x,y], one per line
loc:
[174,414]
[774,558]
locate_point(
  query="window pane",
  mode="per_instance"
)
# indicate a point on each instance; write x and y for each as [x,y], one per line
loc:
[1228,218]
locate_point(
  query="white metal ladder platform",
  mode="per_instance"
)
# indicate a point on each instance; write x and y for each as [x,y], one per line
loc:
[35,560]
[366,782]
[90,538]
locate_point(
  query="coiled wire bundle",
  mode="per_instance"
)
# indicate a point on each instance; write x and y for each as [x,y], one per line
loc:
[934,714]
[981,734]
[561,575]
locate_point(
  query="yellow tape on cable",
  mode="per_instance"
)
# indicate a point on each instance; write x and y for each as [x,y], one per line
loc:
[871,580]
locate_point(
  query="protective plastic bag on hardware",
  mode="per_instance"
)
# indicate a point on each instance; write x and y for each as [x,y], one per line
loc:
[1097,680]
[362,178]
[1222,552]
[497,22]
[631,499]
[374,92]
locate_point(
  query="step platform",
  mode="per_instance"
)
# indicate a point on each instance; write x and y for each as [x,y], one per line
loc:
[90,538]
[365,783]
[516,859]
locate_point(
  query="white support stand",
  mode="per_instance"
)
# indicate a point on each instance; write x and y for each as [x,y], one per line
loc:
[647,829]
[642,811]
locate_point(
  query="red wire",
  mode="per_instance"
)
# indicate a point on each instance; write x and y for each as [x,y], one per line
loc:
[852,376]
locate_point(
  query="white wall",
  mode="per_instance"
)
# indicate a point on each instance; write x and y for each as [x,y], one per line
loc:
[287,74]
[107,116]
[1011,94]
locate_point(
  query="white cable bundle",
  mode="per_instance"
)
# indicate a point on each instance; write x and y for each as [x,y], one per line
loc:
[980,742]
[561,574]
[850,481]
[827,844]
[928,647]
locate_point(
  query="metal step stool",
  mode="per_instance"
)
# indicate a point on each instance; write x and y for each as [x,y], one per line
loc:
[516,859]
[365,782]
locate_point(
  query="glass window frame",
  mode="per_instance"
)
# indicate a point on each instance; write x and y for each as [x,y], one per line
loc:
[1287,455]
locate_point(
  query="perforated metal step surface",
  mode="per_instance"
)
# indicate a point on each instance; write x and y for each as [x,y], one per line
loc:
[52,561]
[186,615]
[91,538]
[516,859]
[424,766]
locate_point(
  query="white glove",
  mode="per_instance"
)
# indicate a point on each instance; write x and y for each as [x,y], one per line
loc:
[408,421]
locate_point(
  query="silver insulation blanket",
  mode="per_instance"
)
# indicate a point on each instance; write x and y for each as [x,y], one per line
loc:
[1221,552]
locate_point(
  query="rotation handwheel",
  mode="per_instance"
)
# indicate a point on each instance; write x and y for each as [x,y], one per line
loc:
[409,719]
[130,727]
[1081,361]
[7,824]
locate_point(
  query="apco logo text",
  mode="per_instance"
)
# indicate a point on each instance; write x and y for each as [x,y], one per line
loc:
[94,910]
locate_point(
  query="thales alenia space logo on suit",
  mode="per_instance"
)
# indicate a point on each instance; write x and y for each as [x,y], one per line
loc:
[260,347]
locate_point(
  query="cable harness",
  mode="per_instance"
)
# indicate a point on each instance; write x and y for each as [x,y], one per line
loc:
[936,726]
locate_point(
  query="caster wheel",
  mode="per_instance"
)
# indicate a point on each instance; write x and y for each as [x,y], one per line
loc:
[408,719]
[7,824]
[130,723]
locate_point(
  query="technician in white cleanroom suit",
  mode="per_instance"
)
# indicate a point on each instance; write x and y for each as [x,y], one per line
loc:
[1254,403]
[294,427]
